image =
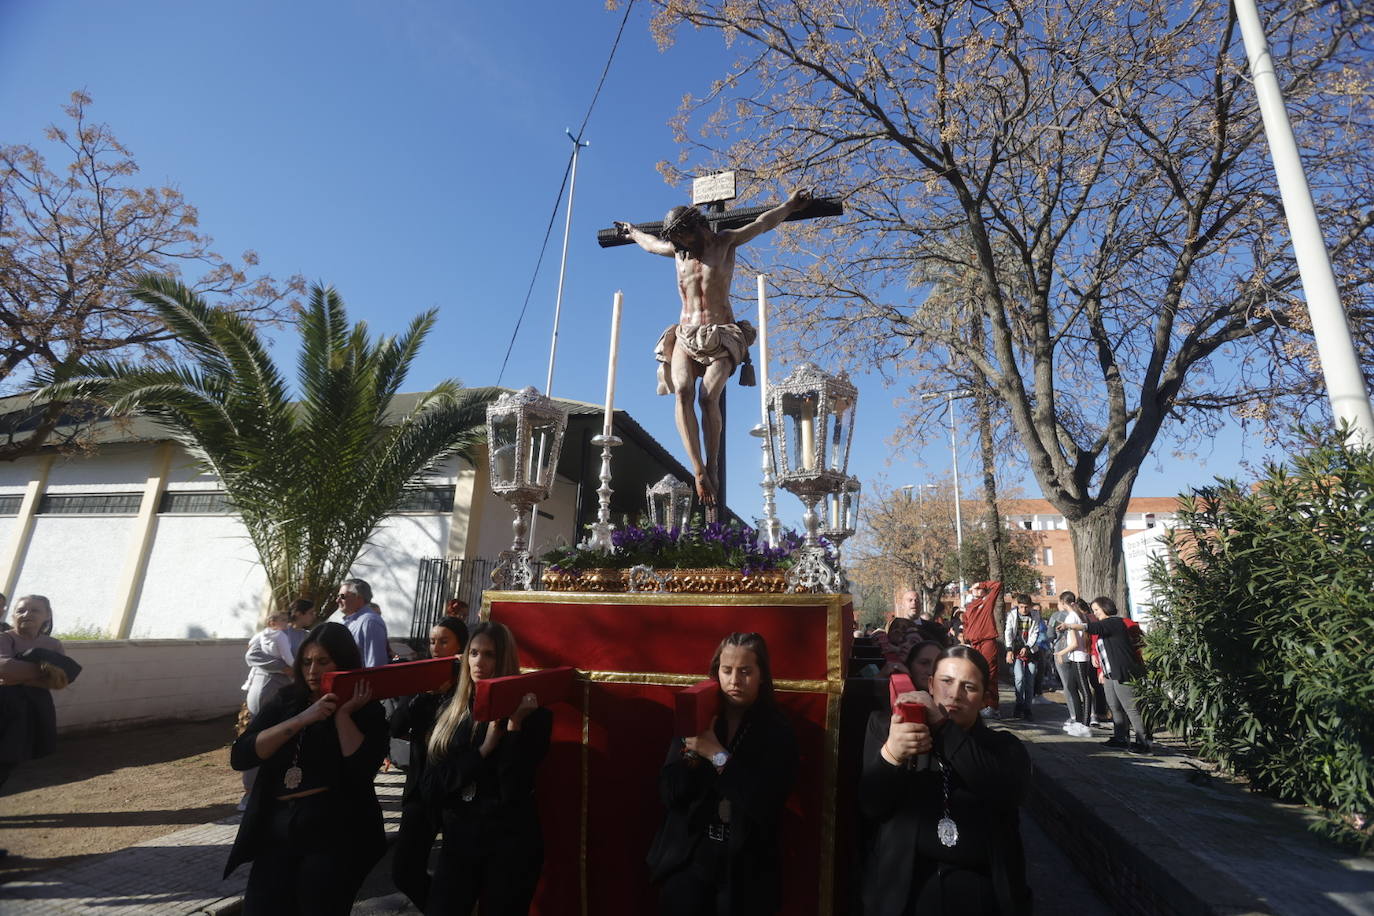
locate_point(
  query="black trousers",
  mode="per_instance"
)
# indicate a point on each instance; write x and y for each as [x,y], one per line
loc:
[410,855]
[308,863]
[698,888]
[948,890]
[498,865]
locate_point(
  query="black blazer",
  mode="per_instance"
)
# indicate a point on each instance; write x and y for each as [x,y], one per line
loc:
[991,773]
[756,781]
[352,796]
[503,802]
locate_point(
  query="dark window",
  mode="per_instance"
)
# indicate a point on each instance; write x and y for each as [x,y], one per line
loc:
[9,505]
[196,502]
[90,504]
[425,499]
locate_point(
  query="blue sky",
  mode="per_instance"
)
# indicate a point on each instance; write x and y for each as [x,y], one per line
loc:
[408,153]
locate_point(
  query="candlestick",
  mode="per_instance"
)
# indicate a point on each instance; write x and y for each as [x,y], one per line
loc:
[610,369]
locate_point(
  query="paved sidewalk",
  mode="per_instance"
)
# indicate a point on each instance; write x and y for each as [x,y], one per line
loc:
[1159,834]
[178,873]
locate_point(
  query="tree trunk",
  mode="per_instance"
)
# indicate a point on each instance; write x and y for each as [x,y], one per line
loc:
[997,535]
[1097,551]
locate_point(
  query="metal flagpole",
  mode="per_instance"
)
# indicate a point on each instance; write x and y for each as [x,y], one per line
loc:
[563,265]
[558,301]
[1335,345]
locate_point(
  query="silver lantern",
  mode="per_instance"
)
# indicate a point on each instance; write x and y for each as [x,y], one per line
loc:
[524,437]
[669,502]
[811,424]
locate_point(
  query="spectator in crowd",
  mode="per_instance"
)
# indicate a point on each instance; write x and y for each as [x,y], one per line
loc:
[909,605]
[920,662]
[269,658]
[457,608]
[303,616]
[364,621]
[32,665]
[1071,660]
[4,609]
[1098,709]
[896,642]
[942,797]
[980,632]
[413,720]
[1120,666]
[1025,637]
[313,826]
[480,778]
[717,851]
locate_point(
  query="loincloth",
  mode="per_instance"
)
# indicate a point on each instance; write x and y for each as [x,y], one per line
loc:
[704,343]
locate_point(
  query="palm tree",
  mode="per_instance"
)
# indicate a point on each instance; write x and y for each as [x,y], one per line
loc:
[311,477]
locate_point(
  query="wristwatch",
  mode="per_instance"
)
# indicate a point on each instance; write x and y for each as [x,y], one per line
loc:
[720,758]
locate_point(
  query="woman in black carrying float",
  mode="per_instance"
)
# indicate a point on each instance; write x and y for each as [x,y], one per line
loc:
[725,790]
[480,777]
[941,797]
[312,826]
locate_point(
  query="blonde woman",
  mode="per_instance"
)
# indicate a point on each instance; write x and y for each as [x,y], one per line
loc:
[480,778]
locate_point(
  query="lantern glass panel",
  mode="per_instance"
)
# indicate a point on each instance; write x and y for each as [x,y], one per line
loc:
[842,414]
[660,505]
[504,438]
[543,435]
[799,413]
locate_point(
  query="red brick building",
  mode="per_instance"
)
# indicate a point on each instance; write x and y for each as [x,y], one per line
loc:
[1054,557]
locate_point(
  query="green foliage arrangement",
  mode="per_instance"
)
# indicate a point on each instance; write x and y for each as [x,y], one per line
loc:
[1261,648]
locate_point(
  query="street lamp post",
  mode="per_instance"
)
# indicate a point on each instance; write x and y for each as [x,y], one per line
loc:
[954,453]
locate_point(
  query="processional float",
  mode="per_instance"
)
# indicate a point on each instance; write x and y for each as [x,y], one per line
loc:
[633,652]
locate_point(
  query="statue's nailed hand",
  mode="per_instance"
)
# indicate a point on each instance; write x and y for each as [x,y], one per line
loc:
[622,228]
[800,198]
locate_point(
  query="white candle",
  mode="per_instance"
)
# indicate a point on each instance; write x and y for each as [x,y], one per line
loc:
[610,370]
[808,436]
[763,349]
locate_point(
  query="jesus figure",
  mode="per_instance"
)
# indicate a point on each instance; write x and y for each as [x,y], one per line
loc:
[708,342]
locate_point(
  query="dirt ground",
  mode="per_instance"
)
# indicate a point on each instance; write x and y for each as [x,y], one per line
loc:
[102,792]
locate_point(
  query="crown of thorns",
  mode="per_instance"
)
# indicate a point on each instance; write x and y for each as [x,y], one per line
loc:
[681,218]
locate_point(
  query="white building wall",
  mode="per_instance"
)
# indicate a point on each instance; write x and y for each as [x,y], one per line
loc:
[77,561]
[127,682]
[203,580]
[15,475]
[496,533]
[391,563]
[120,468]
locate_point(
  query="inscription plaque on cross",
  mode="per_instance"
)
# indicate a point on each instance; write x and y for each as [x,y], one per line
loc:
[702,350]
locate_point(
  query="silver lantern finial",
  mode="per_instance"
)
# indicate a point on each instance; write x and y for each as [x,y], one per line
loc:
[811,422]
[524,437]
[669,502]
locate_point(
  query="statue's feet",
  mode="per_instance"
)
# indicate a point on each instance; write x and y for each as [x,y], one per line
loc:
[706,489]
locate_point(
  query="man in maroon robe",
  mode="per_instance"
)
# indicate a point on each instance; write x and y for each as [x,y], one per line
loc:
[980,632]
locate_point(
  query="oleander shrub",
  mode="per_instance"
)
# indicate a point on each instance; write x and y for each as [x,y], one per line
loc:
[1262,640]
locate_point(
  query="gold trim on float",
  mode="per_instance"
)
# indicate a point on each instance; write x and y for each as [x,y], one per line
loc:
[760,599]
[659,679]
[829,782]
[586,783]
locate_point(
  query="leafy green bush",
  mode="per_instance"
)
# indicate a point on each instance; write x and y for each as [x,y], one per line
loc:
[1263,636]
[82,631]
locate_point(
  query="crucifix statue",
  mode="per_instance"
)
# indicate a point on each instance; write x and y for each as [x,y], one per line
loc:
[708,342]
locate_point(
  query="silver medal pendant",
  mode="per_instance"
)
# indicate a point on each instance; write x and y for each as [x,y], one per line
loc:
[469,791]
[947,831]
[292,779]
